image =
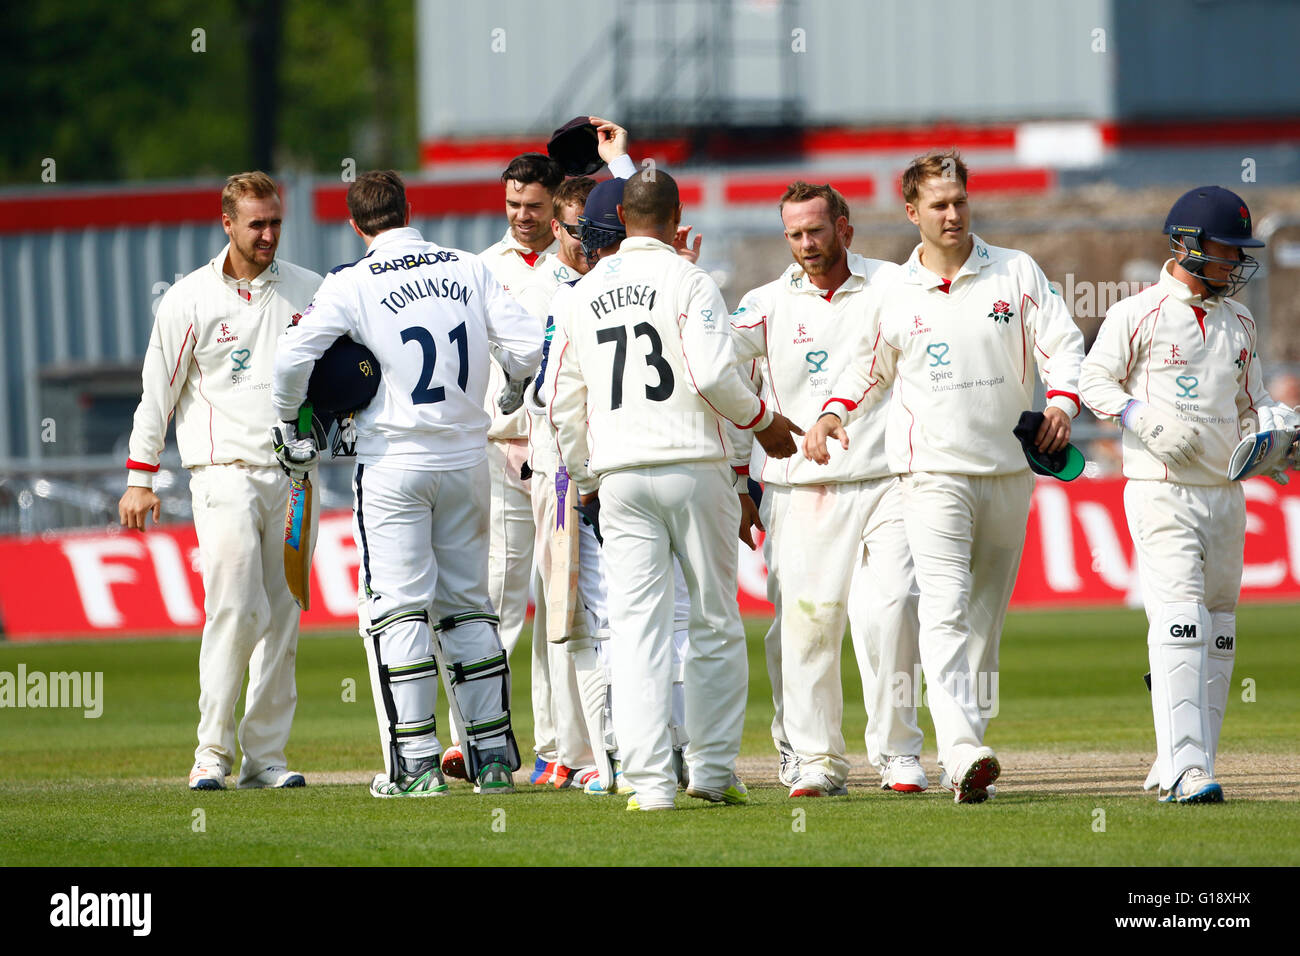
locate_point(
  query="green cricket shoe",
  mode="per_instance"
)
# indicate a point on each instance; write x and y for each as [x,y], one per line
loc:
[733,794]
[634,804]
[495,777]
[416,778]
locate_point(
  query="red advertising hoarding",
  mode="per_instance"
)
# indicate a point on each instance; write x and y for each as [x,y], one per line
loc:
[1077,554]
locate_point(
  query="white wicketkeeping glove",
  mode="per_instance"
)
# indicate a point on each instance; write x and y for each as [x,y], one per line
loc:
[295,454]
[1273,417]
[1173,441]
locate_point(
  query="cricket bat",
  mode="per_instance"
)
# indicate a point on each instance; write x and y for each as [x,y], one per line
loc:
[562,585]
[297,528]
[1262,453]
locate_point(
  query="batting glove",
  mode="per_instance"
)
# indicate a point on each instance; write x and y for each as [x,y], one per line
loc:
[512,396]
[1274,417]
[296,454]
[1173,441]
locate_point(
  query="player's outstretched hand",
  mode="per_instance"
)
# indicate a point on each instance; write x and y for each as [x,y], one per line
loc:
[777,438]
[814,443]
[691,253]
[136,506]
[749,521]
[1170,439]
[611,139]
[1054,433]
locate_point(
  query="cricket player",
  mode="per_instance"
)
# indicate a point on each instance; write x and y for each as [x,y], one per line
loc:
[521,264]
[586,644]
[803,327]
[958,338]
[429,314]
[564,752]
[640,384]
[530,263]
[1176,365]
[210,361]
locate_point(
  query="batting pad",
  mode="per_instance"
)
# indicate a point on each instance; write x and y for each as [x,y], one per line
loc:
[1220,656]
[1176,644]
[593,688]
[404,680]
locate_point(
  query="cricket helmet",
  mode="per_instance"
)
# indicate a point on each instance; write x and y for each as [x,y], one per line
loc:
[1218,214]
[343,382]
[599,220]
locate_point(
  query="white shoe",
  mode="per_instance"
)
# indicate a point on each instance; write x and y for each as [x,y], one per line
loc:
[1194,786]
[815,783]
[276,778]
[207,778]
[789,772]
[975,782]
[903,774]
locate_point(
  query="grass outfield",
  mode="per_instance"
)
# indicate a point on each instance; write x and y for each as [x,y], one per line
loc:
[111,791]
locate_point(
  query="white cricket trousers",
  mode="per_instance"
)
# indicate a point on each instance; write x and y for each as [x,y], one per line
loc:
[422,540]
[966,534]
[510,549]
[647,515]
[251,619]
[1189,541]
[843,555]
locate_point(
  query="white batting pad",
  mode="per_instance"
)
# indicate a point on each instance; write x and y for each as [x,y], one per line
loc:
[1176,644]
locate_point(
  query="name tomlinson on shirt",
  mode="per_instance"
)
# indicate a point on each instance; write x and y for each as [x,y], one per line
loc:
[409,292]
[623,297]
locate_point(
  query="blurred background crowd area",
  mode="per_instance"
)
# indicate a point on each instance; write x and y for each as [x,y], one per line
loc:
[1081,123]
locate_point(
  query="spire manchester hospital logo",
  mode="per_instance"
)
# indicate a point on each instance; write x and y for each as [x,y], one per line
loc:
[1001,312]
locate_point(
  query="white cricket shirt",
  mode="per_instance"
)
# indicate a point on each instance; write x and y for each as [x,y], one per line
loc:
[1193,358]
[961,363]
[210,360]
[807,341]
[647,367]
[428,314]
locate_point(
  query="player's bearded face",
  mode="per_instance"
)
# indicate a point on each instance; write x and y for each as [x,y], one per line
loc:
[816,243]
[528,210]
[941,213]
[255,230]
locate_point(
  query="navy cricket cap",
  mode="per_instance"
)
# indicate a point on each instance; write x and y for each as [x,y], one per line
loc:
[574,147]
[1219,214]
[1066,464]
